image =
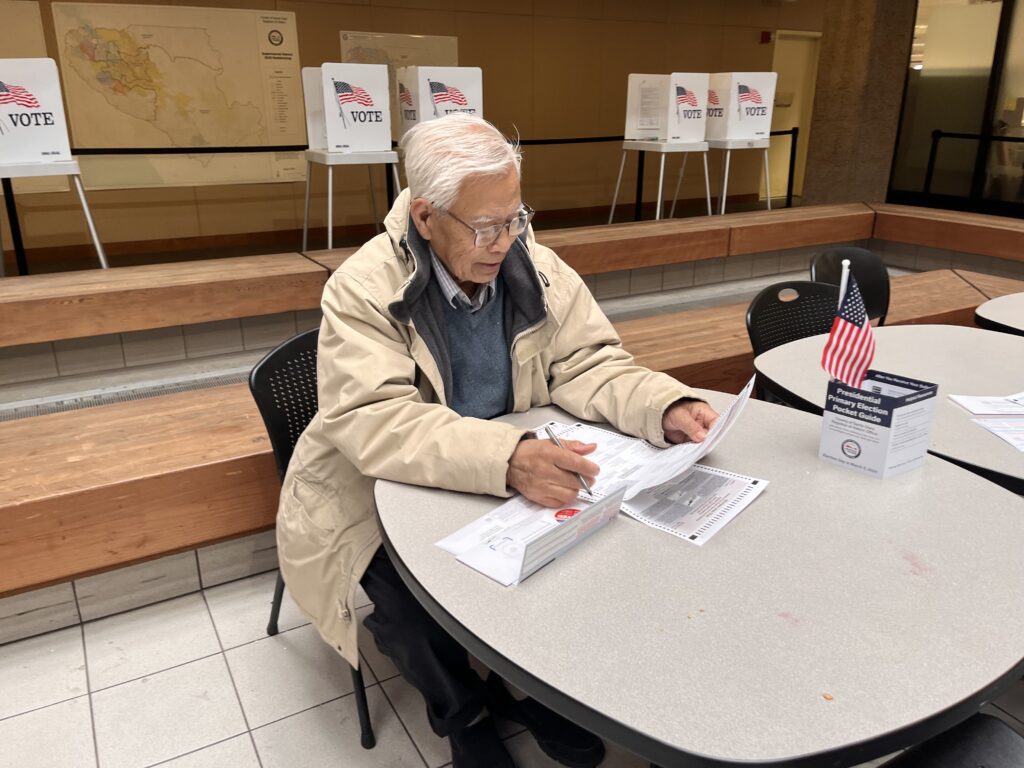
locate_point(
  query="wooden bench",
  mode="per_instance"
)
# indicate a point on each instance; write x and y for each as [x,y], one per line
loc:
[89,490]
[93,302]
[70,305]
[951,230]
[990,285]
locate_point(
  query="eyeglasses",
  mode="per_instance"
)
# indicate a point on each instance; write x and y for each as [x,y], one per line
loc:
[489,235]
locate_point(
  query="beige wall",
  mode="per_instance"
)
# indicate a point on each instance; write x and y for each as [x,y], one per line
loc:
[552,68]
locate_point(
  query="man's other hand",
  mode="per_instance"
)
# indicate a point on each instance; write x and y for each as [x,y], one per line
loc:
[543,472]
[688,421]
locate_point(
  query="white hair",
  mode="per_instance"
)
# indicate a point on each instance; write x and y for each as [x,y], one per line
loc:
[441,154]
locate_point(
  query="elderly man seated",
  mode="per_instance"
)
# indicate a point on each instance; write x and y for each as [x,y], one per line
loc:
[451,317]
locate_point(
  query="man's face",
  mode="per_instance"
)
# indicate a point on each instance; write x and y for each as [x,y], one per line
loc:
[483,201]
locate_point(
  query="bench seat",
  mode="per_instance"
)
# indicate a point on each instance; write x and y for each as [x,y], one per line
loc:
[84,491]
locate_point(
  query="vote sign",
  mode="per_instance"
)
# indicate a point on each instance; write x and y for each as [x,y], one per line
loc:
[427,93]
[357,107]
[740,105]
[32,124]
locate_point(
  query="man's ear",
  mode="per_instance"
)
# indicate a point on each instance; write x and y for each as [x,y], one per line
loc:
[420,211]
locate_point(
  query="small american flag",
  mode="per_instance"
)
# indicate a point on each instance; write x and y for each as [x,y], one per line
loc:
[851,342]
[442,92]
[404,95]
[15,94]
[749,94]
[348,94]
[712,98]
[684,96]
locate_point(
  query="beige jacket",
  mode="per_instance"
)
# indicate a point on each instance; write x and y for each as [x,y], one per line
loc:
[382,371]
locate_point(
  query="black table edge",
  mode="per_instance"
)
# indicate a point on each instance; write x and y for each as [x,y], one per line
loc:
[666,756]
[993,325]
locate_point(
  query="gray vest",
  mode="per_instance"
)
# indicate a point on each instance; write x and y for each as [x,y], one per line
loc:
[481,368]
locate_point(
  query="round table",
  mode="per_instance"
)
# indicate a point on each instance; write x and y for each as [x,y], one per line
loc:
[1005,314]
[836,619]
[962,361]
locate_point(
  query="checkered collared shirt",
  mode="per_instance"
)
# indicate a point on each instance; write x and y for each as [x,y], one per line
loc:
[454,294]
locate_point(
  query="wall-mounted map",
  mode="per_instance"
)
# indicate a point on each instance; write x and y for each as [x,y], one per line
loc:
[176,76]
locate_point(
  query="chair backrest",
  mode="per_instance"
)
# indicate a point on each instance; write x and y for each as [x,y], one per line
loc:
[867,267]
[283,384]
[790,310]
[981,740]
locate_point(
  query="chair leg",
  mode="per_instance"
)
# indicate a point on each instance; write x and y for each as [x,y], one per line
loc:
[367,739]
[275,607]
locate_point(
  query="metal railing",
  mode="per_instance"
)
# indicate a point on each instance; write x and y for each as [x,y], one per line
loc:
[938,135]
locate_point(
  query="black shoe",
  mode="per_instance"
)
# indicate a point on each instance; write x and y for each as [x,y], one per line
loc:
[561,739]
[478,746]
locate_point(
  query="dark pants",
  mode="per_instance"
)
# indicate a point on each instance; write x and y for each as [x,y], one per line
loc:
[427,656]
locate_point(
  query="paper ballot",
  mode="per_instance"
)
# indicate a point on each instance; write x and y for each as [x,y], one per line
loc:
[521,537]
[1011,405]
[660,487]
[636,463]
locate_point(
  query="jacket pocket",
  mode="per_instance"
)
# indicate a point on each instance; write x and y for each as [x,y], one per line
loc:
[314,508]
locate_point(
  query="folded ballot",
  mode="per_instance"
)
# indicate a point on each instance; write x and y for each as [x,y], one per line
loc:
[521,537]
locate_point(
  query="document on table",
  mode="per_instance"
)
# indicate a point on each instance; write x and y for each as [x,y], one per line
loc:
[1010,430]
[520,537]
[1011,405]
[696,505]
[638,464]
[665,488]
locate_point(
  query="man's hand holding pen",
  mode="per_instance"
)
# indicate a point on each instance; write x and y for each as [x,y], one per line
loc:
[551,474]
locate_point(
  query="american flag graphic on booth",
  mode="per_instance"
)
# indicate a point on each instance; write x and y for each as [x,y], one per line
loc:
[712,98]
[442,92]
[15,94]
[404,95]
[352,94]
[684,96]
[851,342]
[748,94]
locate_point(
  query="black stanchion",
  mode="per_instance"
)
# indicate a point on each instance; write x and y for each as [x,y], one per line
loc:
[638,206]
[12,217]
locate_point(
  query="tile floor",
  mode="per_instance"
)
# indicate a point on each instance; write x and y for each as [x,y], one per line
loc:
[194,682]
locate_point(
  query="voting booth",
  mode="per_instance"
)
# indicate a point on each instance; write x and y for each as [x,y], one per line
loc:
[666,114]
[740,105]
[427,93]
[348,122]
[740,117]
[34,135]
[667,107]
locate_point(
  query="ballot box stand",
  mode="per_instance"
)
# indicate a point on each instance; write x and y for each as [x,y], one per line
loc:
[664,148]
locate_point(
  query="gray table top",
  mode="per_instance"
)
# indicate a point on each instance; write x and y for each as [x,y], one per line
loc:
[962,361]
[1004,310]
[834,611]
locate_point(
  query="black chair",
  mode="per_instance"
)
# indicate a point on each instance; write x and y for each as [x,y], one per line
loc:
[981,740]
[283,384]
[788,311]
[867,267]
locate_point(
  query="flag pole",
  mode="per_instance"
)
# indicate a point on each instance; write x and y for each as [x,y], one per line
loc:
[739,102]
[337,99]
[433,97]
[844,280]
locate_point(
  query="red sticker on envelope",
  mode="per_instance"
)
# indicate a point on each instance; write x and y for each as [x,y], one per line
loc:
[564,514]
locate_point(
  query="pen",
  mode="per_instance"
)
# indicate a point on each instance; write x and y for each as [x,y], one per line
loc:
[579,477]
